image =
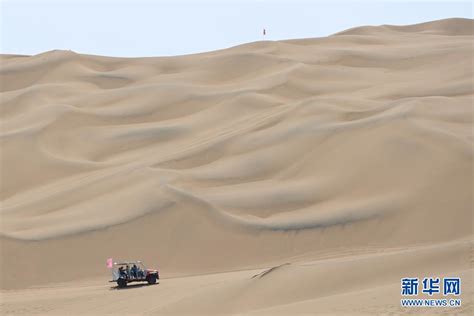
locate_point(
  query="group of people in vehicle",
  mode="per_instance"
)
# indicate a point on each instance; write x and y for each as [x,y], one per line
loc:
[131,273]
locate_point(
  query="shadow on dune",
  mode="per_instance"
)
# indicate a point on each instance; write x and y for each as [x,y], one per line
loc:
[132,286]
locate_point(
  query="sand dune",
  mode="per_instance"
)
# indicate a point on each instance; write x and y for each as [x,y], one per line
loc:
[242,159]
[359,284]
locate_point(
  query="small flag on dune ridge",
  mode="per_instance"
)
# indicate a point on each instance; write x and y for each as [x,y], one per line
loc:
[109,263]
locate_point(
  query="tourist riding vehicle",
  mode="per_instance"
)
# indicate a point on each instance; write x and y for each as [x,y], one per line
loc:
[133,271]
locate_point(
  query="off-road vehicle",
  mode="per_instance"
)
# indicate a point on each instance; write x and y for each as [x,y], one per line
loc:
[133,271]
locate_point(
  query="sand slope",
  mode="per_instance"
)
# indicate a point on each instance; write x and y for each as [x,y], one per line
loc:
[249,157]
[359,284]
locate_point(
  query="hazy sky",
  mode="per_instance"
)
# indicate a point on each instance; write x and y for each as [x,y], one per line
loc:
[157,28]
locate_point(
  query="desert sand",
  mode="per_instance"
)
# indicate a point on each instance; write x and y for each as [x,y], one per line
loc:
[272,178]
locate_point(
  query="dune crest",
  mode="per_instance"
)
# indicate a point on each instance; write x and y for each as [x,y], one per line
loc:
[448,27]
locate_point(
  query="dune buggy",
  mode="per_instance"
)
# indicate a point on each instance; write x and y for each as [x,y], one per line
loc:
[133,271]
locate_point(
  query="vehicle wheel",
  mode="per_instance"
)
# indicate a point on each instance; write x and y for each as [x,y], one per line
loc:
[122,283]
[151,279]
